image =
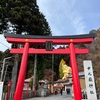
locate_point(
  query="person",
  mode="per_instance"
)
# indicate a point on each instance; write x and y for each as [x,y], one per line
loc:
[56,92]
[68,91]
[61,91]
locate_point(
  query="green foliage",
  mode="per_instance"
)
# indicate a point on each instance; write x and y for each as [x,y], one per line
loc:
[98,35]
[5,54]
[31,84]
[23,16]
[44,62]
[1,55]
[98,84]
[5,88]
[30,67]
[40,66]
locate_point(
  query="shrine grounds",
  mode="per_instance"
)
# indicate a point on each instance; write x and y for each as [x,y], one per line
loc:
[64,96]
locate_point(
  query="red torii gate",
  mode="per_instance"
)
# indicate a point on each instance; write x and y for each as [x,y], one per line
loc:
[27,40]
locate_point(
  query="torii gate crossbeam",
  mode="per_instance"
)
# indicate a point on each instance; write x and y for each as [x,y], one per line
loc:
[27,40]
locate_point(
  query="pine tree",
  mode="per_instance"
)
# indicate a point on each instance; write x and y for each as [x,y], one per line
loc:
[19,16]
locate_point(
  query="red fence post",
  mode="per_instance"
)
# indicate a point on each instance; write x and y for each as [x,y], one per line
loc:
[27,90]
[76,81]
[22,73]
[8,93]
[34,86]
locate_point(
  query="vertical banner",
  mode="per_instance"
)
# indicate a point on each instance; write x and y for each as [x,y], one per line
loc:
[1,90]
[89,78]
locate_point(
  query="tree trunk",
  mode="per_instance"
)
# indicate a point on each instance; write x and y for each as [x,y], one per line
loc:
[14,76]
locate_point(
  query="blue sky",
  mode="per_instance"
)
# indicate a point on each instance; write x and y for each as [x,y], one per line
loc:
[68,17]
[4,44]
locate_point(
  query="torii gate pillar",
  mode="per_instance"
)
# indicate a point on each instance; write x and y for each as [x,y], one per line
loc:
[76,81]
[22,73]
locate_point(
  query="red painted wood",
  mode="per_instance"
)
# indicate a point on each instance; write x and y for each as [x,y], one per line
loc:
[54,51]
[76,82]
[71,50]
[22,73]
[55,41]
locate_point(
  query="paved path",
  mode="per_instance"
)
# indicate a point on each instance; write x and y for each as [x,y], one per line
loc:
[53,97]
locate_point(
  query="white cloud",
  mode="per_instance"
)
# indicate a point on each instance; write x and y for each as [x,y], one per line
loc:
[62,16]
[93,15]
[77,22]
[4,45]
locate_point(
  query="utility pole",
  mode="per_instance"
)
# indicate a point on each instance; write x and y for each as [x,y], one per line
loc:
[52,68]
[3,67]
[5,73]
[52,73]
[34,76]
[14,76]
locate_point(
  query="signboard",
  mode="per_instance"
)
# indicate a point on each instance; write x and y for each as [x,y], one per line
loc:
[89,78]
[1,90]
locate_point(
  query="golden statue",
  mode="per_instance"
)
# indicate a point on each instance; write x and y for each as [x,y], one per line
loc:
[64,70]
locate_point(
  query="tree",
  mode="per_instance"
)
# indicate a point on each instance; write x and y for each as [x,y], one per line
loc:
[1,55]
[22,16]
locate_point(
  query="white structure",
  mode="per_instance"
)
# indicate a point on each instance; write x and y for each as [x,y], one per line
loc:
[89,78]
[1,90]
[26,84]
